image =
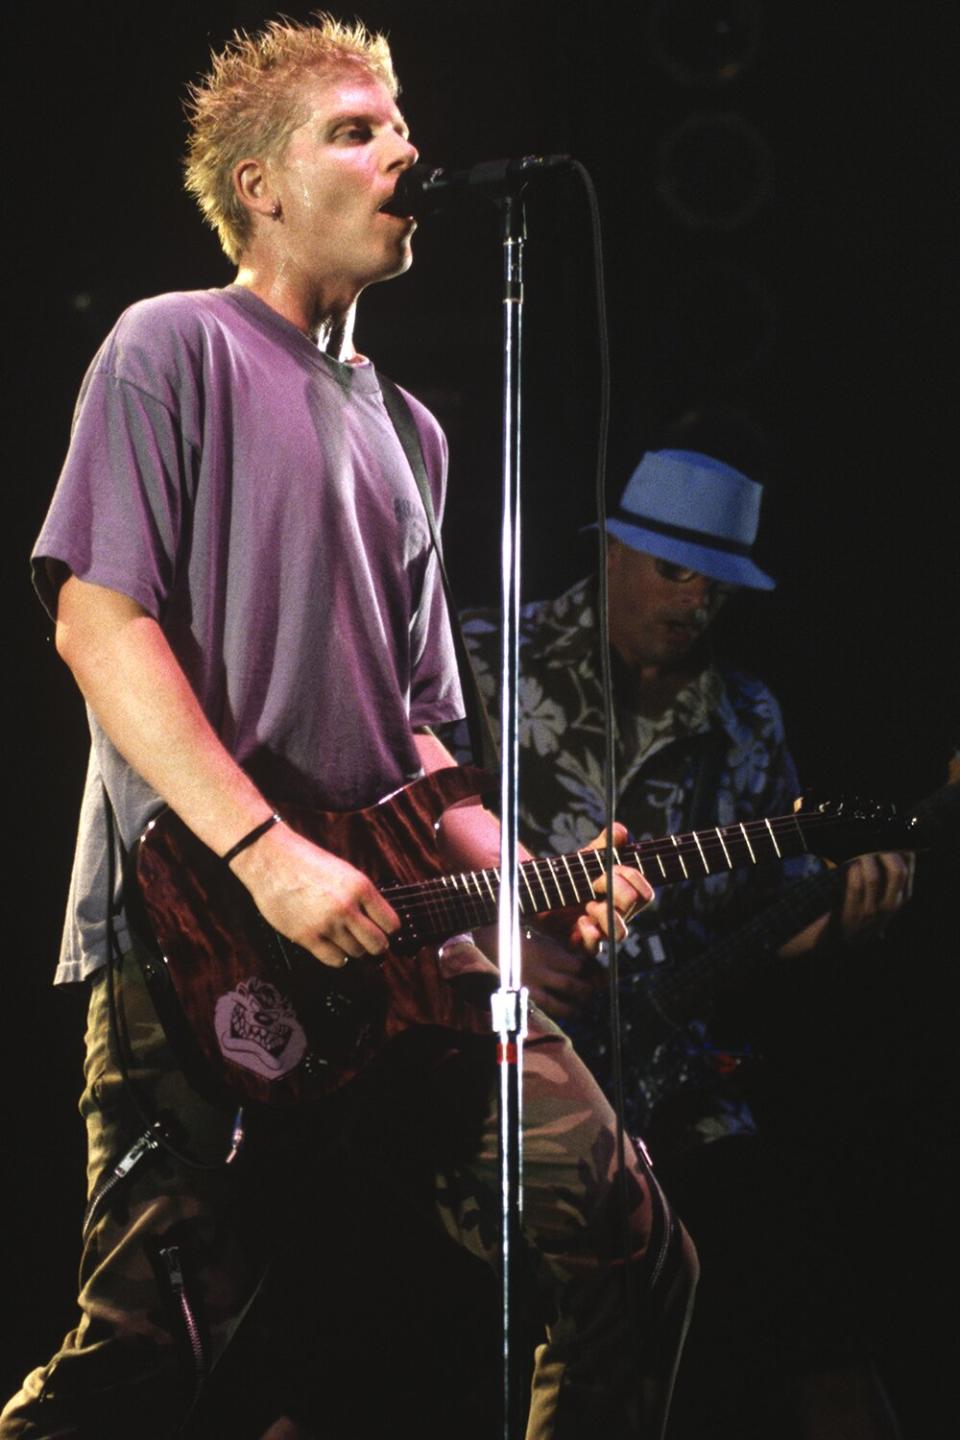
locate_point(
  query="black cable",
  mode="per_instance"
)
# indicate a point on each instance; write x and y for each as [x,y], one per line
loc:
[609,769]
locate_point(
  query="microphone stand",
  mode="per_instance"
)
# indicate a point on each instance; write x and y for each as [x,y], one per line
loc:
[509,1003]
[421,189]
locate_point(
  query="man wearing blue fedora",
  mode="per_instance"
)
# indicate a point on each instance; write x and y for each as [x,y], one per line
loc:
[698,744]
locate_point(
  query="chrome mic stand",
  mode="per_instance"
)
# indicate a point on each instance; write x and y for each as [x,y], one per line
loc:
[510,1001]
[421,189]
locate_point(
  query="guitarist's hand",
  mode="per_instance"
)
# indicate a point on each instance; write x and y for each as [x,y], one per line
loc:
[630,893]
[560,977]
[876,889]
[314,898]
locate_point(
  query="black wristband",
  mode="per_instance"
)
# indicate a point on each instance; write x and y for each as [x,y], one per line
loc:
[252,836]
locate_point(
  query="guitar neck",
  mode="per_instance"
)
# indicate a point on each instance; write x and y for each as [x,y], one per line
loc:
[446,904]
[678,992]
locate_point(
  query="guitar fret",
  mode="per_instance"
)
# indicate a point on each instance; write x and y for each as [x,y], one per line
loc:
[663,871]
[573,884]
[700,848]
[455,883]
[437,909]
[445,903]
[451,882]
[535,867]
[747,839]
[490,890]
[586,873]
[523,869]
[553,877]
[478,901]
[676,845]
[773,839]
[632,857]
[723,847]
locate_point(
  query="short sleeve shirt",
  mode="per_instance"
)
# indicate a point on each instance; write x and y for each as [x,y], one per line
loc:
[252,496]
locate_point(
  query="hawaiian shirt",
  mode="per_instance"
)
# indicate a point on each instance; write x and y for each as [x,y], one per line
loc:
[715,757]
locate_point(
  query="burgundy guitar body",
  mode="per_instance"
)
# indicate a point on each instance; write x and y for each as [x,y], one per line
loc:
[256,1018]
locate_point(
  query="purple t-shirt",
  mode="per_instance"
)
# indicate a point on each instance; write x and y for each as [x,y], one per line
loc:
[252,495]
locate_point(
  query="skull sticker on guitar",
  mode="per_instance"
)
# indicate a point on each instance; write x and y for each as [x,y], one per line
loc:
[257,1028]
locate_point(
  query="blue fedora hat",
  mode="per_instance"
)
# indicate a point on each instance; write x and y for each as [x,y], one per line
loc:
[693,511]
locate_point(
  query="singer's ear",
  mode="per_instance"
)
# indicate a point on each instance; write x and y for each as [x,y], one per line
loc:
[251,184]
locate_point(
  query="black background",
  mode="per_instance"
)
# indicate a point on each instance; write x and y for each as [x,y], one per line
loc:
[815,341]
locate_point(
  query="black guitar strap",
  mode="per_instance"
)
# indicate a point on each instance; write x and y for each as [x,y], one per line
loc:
[482,743]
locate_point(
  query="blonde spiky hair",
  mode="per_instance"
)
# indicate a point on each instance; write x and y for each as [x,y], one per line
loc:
[252,100]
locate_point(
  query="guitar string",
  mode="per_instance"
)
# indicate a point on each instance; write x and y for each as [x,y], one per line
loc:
[686,846]
[682,848]
[433,896]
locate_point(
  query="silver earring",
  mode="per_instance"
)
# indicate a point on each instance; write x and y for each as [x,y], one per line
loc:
[275,210]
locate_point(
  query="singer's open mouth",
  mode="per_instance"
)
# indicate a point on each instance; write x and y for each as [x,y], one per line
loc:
[385,209]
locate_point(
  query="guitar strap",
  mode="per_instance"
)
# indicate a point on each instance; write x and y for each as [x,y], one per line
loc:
[482,743]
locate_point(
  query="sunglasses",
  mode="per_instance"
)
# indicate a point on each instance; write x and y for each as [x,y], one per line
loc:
[682,575]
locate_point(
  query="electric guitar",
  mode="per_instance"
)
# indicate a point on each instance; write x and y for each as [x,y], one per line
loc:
[256,1018]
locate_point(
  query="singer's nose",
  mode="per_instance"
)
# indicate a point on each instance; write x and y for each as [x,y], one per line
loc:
[407,155]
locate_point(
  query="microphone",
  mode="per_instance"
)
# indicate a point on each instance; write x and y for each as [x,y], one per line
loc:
[424,189]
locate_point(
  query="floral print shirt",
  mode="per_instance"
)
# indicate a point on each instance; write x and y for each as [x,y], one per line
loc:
[716,756]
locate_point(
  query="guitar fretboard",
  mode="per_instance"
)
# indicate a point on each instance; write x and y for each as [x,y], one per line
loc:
[432,909]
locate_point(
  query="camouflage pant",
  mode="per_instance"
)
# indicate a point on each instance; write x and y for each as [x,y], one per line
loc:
[174,1256]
